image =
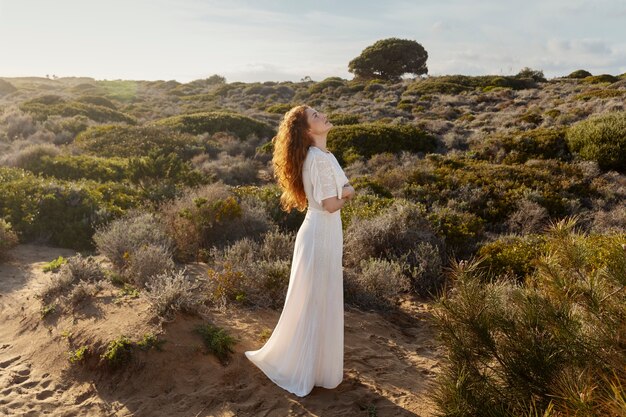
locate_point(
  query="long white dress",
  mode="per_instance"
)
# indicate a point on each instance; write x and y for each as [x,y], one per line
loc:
[306,346]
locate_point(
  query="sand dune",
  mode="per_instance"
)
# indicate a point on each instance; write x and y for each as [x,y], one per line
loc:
[390,362]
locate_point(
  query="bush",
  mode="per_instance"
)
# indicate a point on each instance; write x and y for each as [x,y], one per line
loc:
[461,230]
[519,147]
[32,154]
[547,347]
[342,119]
[128,141]
[330,82]
[365,140]
[279,108]
[121,239]
[210,215]
[216,340]
[268,197]
[79,277]
[252,273]
[74,167]
[601,138]
[598,79]
[8,238]
[601,94]
[579,74]
[455,84]
[512,256]
[61,212]
[173,291]
[376,283]
[213,122]
[45,106]
[118,352]
[399,233]
[148,261]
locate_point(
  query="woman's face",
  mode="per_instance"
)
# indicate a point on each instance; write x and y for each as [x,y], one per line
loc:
[318,122]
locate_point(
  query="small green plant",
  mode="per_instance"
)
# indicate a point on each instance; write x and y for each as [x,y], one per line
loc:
[216,340]
[118,352]
[129,290]
[54,265]
[77,355]
[265,334]
[48,309]
[66,334]
[150,340]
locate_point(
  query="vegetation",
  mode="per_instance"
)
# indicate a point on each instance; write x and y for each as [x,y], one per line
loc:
[601,139]
[389,59]
[216,340]
[550,346]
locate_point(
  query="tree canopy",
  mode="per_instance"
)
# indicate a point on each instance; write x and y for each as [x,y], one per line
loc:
[389,59]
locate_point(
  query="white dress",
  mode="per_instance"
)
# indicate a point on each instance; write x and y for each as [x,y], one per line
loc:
[306,346]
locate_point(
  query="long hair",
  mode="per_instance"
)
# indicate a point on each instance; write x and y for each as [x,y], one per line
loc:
[290,148]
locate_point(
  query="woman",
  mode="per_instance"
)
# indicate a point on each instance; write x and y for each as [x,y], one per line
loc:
[306,346]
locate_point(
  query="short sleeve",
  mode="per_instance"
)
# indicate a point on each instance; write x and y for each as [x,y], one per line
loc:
[324,179]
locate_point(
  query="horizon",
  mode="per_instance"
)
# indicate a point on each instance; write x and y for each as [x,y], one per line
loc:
[270,40]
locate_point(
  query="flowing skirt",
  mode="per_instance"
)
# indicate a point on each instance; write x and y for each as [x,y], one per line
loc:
[306,346]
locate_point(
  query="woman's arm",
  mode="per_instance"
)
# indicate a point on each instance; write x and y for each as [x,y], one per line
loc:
[333,204]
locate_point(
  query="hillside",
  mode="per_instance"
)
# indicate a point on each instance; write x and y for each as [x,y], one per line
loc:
[487,235]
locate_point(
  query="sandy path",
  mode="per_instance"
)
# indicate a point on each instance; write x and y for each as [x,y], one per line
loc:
[389,364]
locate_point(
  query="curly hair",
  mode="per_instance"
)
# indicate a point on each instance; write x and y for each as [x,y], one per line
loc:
[290,148]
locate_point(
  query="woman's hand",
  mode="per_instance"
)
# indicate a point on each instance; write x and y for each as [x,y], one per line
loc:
[348,192]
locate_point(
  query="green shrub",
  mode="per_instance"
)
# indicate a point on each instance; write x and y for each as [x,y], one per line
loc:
[491,191]
[598,79]
[455,84]
[97,100]
[269,198]
[330,82]
[76,167]
[279,108]
[601,138]
[43,107]
[216,340]
[65,213]
[365,140]
[127,141]
[213,122]
[78,355]
[54,265]
[8,238]
[340,119]
[549,346]
[512,256]
[519,147]
[118,352]
[162,176]
[579,74]
[461,230]
[603,93]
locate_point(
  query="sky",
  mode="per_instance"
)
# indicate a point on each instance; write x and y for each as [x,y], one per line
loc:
[272,40]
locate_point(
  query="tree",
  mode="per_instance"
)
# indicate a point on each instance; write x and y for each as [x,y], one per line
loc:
[389,59]
[536,75]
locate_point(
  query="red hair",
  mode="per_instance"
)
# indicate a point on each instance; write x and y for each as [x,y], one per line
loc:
[291,144]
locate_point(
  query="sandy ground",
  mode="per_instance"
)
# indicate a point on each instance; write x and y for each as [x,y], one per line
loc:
[389,365]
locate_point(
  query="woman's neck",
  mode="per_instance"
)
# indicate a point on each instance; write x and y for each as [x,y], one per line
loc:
[320,142]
